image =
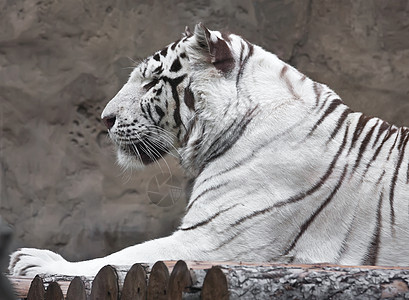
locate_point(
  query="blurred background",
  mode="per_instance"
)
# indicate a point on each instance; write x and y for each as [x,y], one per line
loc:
[62,61]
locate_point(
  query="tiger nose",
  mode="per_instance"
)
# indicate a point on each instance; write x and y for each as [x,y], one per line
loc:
[109,121]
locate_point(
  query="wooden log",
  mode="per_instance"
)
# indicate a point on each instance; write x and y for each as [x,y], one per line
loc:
[53,292]
[65,281]
[36,290]
[158,282]
[76,290]
[105,285]
[179,281]
[256,280]
[315,282]
[21,284]
[319,281]
[135,284]
[215,285]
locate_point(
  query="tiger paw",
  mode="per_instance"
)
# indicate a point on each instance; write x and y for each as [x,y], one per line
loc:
[30,262]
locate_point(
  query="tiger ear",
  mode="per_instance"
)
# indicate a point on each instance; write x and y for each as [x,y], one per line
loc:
[188,32]
[215,47]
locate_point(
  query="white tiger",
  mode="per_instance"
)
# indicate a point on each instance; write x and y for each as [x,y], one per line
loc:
[283,170]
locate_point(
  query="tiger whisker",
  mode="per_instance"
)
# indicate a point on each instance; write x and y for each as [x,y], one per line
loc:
[170,172]
[149,153]
[124,170]
[167,136]
[159,144]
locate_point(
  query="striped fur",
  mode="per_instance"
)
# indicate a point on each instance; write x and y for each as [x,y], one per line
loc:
[283,170]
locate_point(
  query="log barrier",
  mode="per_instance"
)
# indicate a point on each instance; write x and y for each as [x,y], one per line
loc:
[220,280]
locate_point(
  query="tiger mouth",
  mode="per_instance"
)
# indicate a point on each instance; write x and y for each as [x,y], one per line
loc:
[143,152]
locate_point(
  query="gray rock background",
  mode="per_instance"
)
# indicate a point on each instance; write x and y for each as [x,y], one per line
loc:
[61,62]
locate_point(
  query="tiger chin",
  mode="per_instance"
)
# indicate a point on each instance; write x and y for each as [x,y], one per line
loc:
[283,170]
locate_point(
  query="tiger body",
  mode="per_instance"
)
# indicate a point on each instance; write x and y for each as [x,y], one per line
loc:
[283,170]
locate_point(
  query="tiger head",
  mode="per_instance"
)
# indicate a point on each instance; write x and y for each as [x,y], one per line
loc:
[159,109]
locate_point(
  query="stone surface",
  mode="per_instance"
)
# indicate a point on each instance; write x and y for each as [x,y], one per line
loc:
[61,62]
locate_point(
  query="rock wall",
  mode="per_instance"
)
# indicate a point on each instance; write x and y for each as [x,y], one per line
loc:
[61,62]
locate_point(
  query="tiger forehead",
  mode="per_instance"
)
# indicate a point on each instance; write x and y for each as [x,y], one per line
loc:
[147,68]
[169,59]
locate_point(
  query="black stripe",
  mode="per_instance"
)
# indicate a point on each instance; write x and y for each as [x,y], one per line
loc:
[331,108]
[405,132]
[388,134]
[219,148]
[196,144]
[143,110]
[288,81]
[241,51]
[243,62]
[164,52]
[208,220]
[358,130]
[378,150]
[380,178]
[391,130]
[156,57]
[326,99]
[150,113]
[311,219]
[317,90]
[393,145]
[189,98]
[174,82]
[226,242]
[223,134]
[384,126]
[341,121]
[158,70]
[240,60]
[371,256]
[176,66]
[234,236]
[215,187]
[351,226]
[301,195]
[190,127]
[174,44]
[218,144]
[283,71]
[160,112]
[364,144]
[404,140]
[234,166]
[150,85]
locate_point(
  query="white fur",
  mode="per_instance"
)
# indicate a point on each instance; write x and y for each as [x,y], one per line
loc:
[274,159]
